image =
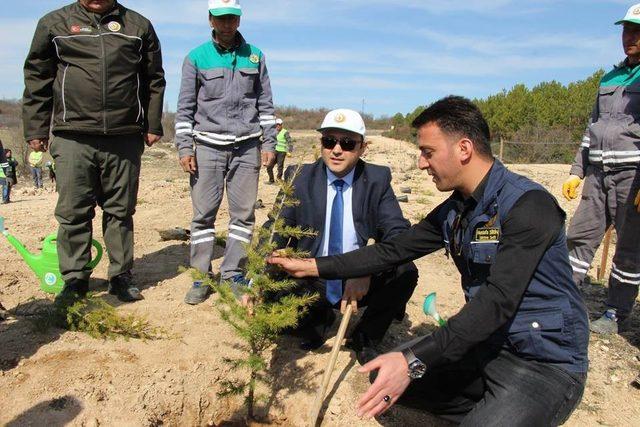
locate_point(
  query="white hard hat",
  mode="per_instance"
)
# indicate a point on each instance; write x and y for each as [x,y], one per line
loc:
[633,15]
[343,119]
[225,7]
[279,121]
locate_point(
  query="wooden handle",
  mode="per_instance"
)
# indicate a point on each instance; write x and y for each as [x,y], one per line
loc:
[317,404]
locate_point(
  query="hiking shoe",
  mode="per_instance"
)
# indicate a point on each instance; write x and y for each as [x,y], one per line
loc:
[198,293]
[123,287]
[607,324]
[73,291]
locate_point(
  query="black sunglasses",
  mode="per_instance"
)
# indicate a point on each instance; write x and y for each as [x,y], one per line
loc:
[347,144]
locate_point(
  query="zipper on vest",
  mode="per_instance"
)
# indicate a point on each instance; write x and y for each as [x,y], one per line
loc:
[104,76]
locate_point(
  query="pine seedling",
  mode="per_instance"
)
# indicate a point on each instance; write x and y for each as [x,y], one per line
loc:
[98,319]
[273,308]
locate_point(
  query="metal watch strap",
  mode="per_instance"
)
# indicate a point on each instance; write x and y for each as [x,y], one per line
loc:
[417,367]
[409,355]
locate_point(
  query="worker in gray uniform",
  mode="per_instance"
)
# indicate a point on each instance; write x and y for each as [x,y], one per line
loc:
[225,130]
[608,160]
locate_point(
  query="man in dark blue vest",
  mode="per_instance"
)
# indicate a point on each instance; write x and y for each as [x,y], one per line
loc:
[516,353]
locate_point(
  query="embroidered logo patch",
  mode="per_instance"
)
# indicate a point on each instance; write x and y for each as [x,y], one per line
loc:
[254,58]
[636,11]
[75,29]
[486,234]
[114,26]
[339,118]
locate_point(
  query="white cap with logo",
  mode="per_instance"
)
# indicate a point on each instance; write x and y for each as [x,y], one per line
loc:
[343,119]
[225,7]
[633,15]
[279,121]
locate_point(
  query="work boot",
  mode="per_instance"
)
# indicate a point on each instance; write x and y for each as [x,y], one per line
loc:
[124,288]
[607,324]
[198,293]
[73,291]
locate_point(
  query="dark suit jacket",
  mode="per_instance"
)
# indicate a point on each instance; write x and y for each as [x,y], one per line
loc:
[376,212]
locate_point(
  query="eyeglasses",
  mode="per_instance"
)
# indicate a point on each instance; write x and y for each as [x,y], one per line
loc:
[347,144]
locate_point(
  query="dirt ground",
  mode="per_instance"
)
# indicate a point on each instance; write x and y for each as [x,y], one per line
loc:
[66,378]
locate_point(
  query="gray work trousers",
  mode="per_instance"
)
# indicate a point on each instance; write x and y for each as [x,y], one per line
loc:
[237,166]
[607,198]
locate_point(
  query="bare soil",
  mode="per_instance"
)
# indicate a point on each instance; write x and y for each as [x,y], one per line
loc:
[65,378]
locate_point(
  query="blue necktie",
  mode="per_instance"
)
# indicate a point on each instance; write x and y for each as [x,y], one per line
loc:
[334,287]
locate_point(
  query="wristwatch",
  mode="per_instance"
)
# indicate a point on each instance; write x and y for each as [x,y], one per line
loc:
[417,368]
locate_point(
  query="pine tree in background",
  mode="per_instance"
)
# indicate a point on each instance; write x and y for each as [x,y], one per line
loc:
[273,308]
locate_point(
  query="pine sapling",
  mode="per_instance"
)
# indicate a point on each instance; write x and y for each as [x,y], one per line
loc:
[272,307]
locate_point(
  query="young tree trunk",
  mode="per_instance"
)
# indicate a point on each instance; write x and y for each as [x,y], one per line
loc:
[250,396]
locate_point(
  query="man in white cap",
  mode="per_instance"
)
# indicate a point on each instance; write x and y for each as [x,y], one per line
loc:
[348,201]
[609,160]
[225,124]
[283,148]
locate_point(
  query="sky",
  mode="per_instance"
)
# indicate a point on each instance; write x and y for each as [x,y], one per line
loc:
[389,56]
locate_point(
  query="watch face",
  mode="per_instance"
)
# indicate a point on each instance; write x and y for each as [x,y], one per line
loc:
[417,369]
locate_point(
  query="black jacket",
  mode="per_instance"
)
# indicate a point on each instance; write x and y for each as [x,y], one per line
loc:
[94,74]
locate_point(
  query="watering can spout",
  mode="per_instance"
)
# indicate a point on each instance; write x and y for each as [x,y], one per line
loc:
[429,308]
[28,257]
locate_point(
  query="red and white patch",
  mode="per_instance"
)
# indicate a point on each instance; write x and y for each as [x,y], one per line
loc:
[75,29]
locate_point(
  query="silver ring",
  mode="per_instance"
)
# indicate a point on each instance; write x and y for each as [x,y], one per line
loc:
[387,398]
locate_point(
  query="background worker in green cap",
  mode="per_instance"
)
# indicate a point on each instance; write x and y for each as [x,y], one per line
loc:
[609,161]
[94,73]
[225,130]
[283,148]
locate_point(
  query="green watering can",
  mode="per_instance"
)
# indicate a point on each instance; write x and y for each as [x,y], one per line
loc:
[45,265]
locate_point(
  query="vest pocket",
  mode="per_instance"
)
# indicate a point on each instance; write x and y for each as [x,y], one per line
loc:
[213,83]
[484,252]
[539,334]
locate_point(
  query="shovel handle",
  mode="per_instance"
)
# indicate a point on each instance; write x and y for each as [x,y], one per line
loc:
[326,377]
